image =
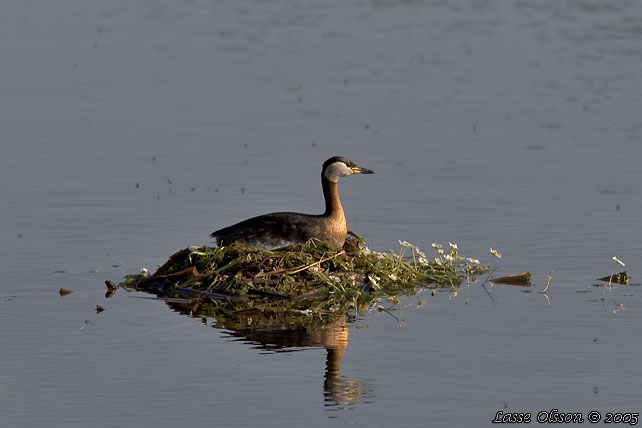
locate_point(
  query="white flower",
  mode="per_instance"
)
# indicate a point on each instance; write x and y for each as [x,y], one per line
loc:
[144,271]
[473,261]
[393,276]
[423,261]
[374,279]
[495,253]
[436,246]
[365,250]
[335,279]
[449,258]
[618,261]
[420,253]
[405,244]
[438,262]
[440,251]
[453,246]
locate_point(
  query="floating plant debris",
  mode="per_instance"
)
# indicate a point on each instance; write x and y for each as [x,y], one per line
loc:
[616,278]
[522,278]
[111,289]
[64,291]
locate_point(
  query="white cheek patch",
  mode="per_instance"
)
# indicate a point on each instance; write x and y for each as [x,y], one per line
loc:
[337,170]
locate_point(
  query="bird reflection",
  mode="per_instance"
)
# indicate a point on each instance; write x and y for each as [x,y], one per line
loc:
[336,389]
[275,329]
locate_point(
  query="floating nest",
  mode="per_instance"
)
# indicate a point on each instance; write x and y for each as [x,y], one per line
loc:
[309,279]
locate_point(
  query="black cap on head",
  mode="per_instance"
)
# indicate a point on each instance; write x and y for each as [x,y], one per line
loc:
[334,159]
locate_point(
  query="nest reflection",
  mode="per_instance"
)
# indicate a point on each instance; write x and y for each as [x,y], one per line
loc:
[275,327]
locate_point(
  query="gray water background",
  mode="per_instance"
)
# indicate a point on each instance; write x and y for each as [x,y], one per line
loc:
[129,130]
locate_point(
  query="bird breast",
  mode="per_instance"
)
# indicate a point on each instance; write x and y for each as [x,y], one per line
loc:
[336,230]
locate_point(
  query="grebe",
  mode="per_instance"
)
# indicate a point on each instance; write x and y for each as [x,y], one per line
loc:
[276,230]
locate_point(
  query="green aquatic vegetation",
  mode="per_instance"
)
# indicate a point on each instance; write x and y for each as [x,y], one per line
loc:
[305,280]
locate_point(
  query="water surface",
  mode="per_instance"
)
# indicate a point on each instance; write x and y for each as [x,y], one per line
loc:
[129,131]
